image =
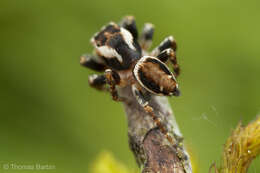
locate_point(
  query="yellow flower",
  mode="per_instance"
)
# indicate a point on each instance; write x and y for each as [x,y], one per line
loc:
[106,163]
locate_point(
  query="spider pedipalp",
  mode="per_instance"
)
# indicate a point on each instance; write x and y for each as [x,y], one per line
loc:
[153,75]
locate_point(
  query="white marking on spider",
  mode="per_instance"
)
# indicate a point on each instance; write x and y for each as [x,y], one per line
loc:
[108,70]
[172,77]
[168,51]
[145,104]
[92,40]
[92,78]
[128,38]
[148,27]
[138,65]
[112,23]
[161,88]
[109,52]
[83,59]
[171,38]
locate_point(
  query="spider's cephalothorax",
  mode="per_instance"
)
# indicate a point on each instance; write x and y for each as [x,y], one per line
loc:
[123,58]
[116,46]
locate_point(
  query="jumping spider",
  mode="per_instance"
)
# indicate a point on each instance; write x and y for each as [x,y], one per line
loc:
[125,62]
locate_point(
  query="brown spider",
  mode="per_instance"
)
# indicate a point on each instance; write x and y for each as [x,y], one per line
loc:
[125,62]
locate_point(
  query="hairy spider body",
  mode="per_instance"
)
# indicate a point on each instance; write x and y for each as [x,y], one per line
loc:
[155,77]
[125,62]
[116,46]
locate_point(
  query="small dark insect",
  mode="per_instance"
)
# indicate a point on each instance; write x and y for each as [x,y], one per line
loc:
[124,59]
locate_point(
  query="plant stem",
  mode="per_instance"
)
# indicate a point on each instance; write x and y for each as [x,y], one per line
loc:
[152,151]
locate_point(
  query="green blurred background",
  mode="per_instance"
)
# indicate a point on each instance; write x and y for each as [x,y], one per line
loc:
[49,114]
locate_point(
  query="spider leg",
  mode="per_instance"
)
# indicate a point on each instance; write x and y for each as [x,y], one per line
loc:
[113,79]
[97,81]
[128,22]
[170,54]
[143,100]
[90,61]
[168,42]
[147,36]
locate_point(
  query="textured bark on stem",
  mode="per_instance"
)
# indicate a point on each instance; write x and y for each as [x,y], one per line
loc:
[152,150]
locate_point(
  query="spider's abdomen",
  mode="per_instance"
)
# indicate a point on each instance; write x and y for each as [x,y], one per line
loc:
[154,76]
